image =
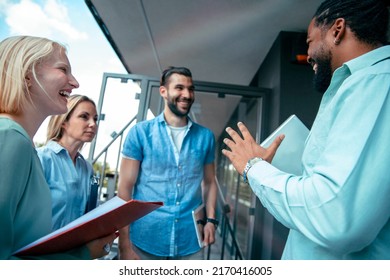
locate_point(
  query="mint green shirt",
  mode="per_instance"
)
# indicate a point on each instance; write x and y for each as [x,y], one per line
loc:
[340,207]
[25,203]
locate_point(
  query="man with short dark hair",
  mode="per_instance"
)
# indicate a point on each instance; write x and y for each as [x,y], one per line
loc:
[339,207]
[170,159]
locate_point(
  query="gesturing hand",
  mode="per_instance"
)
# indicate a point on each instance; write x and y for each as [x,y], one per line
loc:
[245,148]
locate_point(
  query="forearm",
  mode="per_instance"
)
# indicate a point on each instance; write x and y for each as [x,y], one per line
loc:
[211,199]
[127,179]
[124,238]
[124,234]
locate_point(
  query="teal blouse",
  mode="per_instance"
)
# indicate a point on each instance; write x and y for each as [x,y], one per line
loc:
[25,203]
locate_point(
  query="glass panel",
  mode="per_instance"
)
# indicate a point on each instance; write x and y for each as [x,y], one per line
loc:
[213,110]
[119,107]
[238,195]
[156,103]
[216,107]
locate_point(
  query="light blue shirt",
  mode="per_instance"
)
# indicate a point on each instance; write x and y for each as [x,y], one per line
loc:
[69,183]
[340,207]
[169,230]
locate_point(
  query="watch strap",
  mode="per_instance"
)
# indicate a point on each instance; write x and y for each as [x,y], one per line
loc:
[213,221]
[248,166]
[245,172]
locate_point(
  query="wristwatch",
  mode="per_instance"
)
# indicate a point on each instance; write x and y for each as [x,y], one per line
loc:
[248,166]
[213,221]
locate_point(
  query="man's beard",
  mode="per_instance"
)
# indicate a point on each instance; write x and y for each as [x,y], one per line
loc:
[173,107]
[323,76]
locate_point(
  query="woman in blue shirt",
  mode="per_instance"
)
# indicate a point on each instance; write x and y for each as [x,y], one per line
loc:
[66,171]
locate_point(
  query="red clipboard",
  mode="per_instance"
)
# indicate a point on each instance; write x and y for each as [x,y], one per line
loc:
[101,221]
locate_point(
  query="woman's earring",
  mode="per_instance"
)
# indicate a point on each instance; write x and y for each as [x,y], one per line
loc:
[336,41]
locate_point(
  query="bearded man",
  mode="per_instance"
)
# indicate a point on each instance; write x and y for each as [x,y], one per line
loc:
[170,159]
[339,207]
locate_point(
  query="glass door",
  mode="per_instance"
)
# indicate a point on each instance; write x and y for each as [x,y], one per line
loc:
[127,99]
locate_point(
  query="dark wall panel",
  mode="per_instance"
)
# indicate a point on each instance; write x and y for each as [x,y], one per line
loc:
[292,93]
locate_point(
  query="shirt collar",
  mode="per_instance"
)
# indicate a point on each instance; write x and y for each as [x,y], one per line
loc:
[368,59]
[57,148]
[161,119]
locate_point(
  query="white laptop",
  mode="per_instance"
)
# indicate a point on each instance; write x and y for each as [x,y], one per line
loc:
[288,157]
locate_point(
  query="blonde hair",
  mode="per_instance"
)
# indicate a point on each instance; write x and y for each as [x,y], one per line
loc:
[19,56]
[54,129]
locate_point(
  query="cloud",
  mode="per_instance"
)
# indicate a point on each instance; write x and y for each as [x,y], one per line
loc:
[3,6]
[90,54]
[51,20]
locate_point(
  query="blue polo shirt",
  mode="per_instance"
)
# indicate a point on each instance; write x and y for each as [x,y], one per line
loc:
[169,230]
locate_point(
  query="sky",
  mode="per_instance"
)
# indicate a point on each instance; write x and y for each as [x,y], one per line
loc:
[70,23]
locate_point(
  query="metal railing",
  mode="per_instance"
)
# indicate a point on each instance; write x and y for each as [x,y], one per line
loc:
[228,240]
[105,153]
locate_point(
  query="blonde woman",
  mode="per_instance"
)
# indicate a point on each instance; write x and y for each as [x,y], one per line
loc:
[66,171]
[35,82]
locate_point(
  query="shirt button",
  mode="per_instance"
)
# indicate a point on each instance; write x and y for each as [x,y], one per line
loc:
[178,203]
[178,184]
[176,220]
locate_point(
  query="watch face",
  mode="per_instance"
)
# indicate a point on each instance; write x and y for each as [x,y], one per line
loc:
[254,160]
